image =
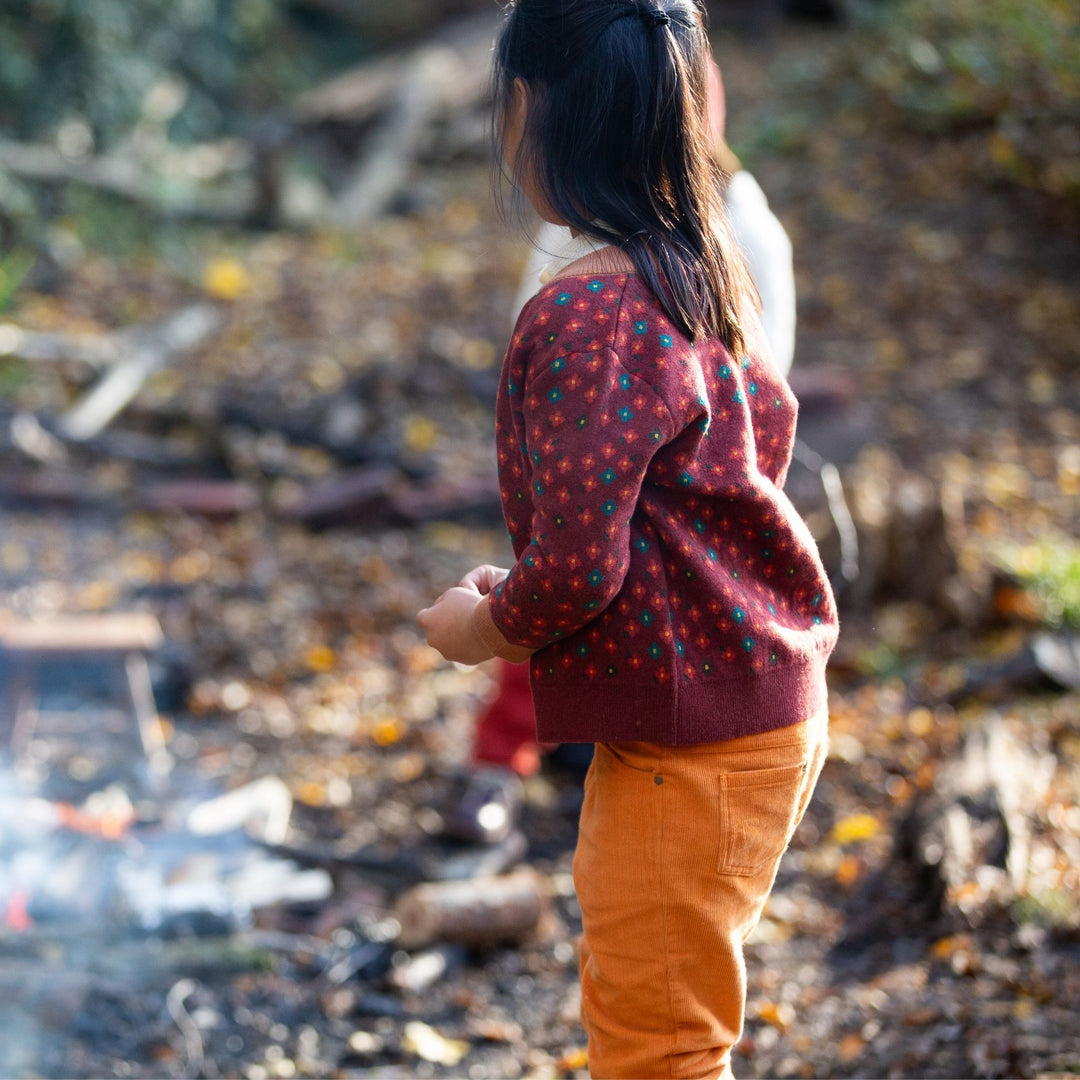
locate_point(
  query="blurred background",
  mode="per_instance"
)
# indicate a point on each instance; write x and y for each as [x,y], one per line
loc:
[254,295]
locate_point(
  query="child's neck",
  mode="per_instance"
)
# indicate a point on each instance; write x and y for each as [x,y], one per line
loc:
[605,260]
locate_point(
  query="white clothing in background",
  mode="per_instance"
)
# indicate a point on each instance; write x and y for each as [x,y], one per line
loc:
[759,234]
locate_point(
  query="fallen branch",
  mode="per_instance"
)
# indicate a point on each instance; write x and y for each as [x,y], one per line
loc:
[151,348]
[379,175]
[129,179]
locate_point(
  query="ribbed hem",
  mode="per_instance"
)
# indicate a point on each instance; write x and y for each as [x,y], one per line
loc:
[492,636]
[698,711]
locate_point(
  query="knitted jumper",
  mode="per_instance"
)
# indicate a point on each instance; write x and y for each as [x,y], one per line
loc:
[671,591]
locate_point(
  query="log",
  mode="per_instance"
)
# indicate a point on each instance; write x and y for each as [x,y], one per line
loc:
[480,912]
[357,96]
[970,833]
[380,174]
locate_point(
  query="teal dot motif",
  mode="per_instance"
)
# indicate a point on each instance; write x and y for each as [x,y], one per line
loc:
[699,526]
[591,605]
[595,578]
[753,388]
[555,394]
[583,649]
[559,520]
[612,670]
[686,479]
[739,399]
[535,455]
[582,422]
[626,414]
[655,651]
[563,299]
[559,364]
[624,381]
[530,562]
[665,340]
[594,286]
[608,476]
[725,371]
[641,327]
[538,488]
[712,555]
[642,544]
[609,507]
[680,648]
[745,361]
[748,644]
[739,615]
[655,435]
[646,618]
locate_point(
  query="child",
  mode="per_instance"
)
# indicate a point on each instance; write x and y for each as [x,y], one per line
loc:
[671,603]
[505,735]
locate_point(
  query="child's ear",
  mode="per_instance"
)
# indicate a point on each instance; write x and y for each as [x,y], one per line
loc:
[513,123]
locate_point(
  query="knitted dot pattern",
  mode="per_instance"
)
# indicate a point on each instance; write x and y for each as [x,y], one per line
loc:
[641,479]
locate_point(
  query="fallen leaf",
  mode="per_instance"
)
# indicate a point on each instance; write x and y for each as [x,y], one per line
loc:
[425,1042]
[855,828]
[226,279]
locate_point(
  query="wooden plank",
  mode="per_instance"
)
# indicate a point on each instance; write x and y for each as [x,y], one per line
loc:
[111,633]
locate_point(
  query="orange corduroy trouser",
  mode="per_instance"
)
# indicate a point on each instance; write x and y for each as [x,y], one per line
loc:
[677,850]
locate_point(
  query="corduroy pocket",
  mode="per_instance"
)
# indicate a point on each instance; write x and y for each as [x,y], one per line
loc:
[757,816]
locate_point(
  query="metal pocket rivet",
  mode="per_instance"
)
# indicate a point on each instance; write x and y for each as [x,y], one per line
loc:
[658,779]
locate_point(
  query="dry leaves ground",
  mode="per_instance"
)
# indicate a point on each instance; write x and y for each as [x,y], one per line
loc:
[947,299]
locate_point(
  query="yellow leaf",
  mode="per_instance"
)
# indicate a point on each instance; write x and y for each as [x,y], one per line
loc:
[226,279]
[855,828]
[920,722]
[780,1016]
[1002,151]
[572,1060]
[321,658]
[420,434]
[387,732]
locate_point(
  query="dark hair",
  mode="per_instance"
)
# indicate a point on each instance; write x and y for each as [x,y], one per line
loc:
[617,142]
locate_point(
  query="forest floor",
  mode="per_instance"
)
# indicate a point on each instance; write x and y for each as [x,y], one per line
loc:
[944,307]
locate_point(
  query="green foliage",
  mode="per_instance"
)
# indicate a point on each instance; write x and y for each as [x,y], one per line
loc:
[96,61]
[1012,66]
[948,62]
[13,269]
[1050,570]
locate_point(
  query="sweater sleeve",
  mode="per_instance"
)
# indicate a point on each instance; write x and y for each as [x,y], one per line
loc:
[591,429]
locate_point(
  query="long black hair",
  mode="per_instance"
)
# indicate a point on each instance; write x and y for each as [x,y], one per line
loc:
[617,142]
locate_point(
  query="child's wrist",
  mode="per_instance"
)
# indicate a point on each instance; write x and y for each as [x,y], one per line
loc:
[492,637]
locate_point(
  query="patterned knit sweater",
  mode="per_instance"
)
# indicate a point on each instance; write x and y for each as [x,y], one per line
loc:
[671,591]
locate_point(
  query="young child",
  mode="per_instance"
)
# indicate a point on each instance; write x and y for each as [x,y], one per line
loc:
[670,601]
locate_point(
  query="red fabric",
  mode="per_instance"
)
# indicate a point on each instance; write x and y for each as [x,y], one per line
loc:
[672,591]
[506,731]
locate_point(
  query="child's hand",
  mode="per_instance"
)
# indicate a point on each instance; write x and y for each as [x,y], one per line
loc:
[448,623]
[485,578]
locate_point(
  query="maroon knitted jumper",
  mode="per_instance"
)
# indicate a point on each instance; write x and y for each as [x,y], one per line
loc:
[673,593]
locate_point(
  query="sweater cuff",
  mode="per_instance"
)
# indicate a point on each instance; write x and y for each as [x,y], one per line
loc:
[492,636]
